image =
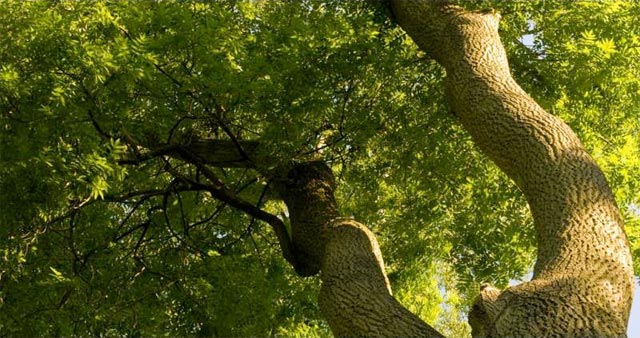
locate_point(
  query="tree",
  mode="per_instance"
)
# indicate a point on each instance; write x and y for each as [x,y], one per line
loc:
[145,143]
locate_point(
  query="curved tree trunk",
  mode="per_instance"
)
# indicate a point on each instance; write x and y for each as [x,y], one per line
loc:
[355,297]
[583,277]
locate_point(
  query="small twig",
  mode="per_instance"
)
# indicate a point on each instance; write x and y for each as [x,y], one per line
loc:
[92,117]
[143,193]
[155,153]
[249,229]
[220,113]
[177,124]
[69,212]
[133,229]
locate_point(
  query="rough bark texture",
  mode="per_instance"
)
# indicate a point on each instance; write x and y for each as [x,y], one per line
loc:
[355,296]
[484,310]
[583,277]
[308,193]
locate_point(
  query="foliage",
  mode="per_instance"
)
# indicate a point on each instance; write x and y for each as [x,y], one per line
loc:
[94,247]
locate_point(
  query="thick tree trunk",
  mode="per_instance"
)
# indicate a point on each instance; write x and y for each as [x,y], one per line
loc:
[355,296]
[583,278]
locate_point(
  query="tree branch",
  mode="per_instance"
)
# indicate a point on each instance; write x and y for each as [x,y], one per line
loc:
[217,153]
[220,192]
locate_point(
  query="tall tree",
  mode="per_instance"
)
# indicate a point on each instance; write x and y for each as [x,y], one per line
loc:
[144,142]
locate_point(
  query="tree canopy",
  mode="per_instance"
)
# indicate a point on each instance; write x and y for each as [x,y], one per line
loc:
[100,235]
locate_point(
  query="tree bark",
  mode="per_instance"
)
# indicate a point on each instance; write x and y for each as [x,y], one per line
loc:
[355,297]
[583,277]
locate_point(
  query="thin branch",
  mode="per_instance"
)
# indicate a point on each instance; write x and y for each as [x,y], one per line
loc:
[131,230]
[218,153]
[141,238]
[249,229]
[154,153]
[169,76]
[126,196]
[70,212]
[215,213]
[220,113]
[222,193]
[165,202]
[177,124]
[130,213]
[92,117]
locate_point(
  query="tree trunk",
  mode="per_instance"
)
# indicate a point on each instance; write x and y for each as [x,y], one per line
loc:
[583,277]
[355,297]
